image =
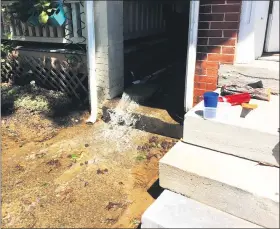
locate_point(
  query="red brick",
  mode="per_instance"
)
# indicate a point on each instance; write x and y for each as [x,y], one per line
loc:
[200,71]
[230,33]
[195,100]
[211,87]
[205,79]
[205,9]
[198,92]
[212,2]
[227,59]
[222,41]
[200,85]
[203,25]
[210,33]
[209,49]
[214,57]
[221,58]
[224,25]
[207,64]
[232,16]
[201,56]
[211,17]
[228,50]
[226,9]
[202,41]
[212,72]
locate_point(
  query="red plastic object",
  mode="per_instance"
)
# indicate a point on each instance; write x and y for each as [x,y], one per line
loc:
[236,99]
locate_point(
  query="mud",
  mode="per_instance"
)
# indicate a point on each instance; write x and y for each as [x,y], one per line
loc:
[93,176]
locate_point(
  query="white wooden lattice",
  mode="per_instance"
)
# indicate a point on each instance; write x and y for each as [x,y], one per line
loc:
[53,72]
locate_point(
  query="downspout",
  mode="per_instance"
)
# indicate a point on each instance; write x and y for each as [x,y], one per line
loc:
[90,31]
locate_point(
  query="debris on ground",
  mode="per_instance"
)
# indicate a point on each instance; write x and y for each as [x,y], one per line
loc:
[102,171]
[112,205]
[154,148]
[61,165]
[54,162]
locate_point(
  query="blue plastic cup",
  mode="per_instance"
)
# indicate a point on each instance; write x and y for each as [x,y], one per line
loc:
[210,99]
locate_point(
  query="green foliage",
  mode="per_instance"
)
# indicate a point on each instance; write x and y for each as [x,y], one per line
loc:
[23,9]
[6,48]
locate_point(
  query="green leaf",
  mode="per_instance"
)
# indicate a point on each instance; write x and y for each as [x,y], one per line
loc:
[47,4]
[9,36]
[74,156]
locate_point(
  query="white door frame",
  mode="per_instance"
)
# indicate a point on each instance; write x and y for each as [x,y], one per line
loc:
[191,53]
[271,41]
[252,30]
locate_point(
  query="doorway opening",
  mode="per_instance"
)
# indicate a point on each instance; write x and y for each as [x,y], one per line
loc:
[155,49]
[155,53]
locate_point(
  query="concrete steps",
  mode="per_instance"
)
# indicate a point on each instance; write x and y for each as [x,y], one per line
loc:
[255,137]
[233,185]
[172,210]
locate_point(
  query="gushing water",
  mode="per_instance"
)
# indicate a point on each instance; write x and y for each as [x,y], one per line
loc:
[121,123]
[123,113]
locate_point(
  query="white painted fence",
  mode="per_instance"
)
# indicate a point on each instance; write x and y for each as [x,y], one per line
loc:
[72,31]
[143,18]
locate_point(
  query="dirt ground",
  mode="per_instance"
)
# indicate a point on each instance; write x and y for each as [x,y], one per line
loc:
[80,176]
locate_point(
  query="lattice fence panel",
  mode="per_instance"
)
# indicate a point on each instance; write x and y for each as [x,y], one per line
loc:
[51,72]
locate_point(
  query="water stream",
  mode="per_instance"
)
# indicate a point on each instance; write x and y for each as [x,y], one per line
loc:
[123,113]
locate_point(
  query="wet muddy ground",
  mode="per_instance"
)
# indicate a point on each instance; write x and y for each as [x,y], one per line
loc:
[79,175]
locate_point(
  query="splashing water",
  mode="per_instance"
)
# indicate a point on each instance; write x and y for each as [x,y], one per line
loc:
[123,113]
[122,120]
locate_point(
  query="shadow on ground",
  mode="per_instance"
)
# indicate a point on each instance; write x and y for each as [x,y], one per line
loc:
[155,190]
[149,124]
[276,152]
[53,105]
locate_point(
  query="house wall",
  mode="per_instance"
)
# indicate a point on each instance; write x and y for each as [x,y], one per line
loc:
[217,38]
[109,48]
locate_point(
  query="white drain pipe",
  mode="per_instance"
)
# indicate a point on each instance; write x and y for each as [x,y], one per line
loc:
[90,30]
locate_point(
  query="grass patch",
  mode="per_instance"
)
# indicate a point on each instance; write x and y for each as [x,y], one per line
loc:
[141,157]
[33,98]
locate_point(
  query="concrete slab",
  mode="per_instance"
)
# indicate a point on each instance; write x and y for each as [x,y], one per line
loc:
[140,92]
[265,70]
[255,137]
[237,186]
[172,210]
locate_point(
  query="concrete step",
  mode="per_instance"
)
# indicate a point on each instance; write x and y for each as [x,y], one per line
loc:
[172,210]
[255,137]
[237,186]
[265,70]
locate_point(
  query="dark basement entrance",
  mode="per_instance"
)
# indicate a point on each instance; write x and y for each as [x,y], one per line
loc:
[155,48]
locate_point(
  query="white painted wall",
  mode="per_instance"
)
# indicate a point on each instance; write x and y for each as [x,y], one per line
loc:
[252,31]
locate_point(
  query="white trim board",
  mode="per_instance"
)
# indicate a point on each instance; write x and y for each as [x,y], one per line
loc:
[191,54]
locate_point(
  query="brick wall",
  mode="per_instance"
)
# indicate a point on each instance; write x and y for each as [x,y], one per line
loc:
[217,35]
